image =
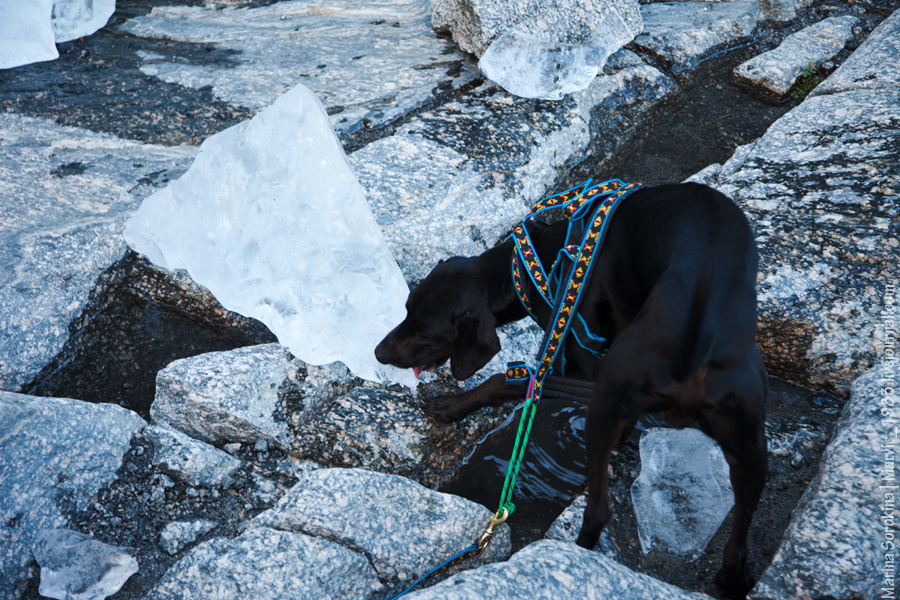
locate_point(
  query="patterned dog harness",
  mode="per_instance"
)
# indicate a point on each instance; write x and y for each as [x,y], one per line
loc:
[589,210]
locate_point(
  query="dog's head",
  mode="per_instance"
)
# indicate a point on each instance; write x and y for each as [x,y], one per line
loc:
[447,317]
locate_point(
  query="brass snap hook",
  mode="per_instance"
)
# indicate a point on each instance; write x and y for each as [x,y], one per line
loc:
[488,534]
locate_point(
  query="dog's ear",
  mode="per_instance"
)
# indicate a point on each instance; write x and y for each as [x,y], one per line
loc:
[476,343]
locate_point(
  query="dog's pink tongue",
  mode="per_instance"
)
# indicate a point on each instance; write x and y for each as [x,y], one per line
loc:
[417,370]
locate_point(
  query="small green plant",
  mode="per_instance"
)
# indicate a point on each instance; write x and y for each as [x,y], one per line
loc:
[807,82]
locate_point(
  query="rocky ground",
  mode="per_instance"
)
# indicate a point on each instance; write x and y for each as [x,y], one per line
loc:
[258,470]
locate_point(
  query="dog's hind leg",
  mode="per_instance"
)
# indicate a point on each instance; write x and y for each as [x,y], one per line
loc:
[743,441]
[602,432]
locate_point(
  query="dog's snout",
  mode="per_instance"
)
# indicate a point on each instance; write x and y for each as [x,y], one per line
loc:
[384,351]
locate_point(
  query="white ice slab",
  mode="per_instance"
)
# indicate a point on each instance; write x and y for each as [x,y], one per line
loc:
[73,19]
[25,33]
[272,220]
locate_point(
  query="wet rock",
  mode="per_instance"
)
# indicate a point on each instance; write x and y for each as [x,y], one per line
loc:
[819,188]
[549,570]
[475,24]
[872,66]
[398,67]
[67,194]
[244,395]
[408,528]
[266,564]
[836,545]
[75,566]
[567,526]
[682,33]
[774,72]
[195,463]
[454,180]
[179,534]
[52,450]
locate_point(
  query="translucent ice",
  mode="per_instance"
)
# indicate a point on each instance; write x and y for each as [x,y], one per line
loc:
[271,219]
[533,67]
[78,18]
[75,566]
[683,492]
[25,33]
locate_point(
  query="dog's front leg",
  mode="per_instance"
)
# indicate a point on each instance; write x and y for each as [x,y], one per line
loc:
[603,430]
[492,392]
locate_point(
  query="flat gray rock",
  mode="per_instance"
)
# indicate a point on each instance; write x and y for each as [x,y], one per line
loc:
[368,64]
[683,33]
[567,526]
[403,528]
[75,566]
[454,180]
[872,66]
[194,462]
[774,72]
[474,24]
[244,395]
[820,190]
[265,564]
[844,531]
[52,448]
[66,196]
[551,570]
[782,11]
[178,534]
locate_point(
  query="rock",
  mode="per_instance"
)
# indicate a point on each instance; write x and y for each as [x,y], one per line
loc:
[271,219]
[826,222]
[683,492]
[454,180]
[73,19]
[781,11]
[872,65]
[179,534]
[244,395]
[403,528]
[193,462]
[52,450]
[474,24]
[842,537]
[265,564]
[774,72]
[388,51]
[67,194]
[25,33]
[683,33]
[550,570]
[567,526]
[75,566]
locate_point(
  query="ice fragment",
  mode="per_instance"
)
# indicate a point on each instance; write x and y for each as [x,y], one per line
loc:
[533,67]
[75,566]
[683,492]
[25,33]
[271,219]
[73,19]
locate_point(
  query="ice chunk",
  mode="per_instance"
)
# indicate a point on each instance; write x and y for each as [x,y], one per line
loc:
[78,18]
[533,67]
[25,33]
[271,219]
[683,492]
[75,566]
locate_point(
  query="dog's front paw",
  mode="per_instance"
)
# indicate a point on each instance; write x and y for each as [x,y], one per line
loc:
[734,585]
[445,409]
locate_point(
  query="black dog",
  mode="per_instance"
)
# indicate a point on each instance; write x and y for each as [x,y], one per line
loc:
[674,293]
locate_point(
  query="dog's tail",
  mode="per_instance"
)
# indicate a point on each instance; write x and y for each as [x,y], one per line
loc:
[691,356]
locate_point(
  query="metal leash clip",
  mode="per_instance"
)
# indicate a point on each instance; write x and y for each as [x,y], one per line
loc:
[488,534]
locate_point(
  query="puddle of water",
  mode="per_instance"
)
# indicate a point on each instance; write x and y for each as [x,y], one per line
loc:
[554,473]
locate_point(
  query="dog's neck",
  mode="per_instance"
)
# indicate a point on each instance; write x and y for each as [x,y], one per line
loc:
[495,266]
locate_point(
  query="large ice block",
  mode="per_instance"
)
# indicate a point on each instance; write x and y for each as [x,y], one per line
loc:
[25,33]
[73,19]
[271,219]
[683,492]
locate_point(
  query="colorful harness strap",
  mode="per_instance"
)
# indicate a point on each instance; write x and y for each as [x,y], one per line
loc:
[572,266]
